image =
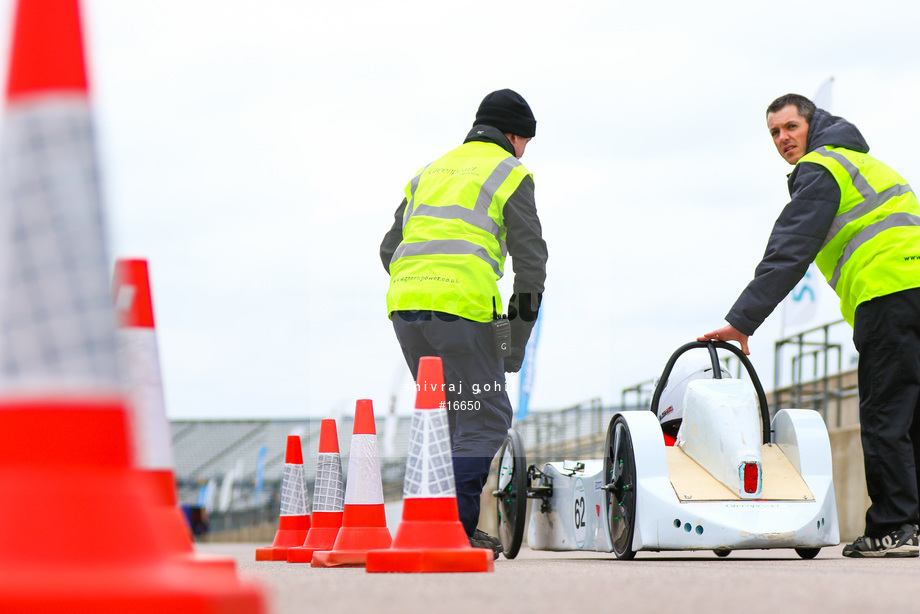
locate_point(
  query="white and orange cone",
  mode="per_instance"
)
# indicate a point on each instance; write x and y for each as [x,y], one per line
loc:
[295,517]
[364,524]
[65,441]
[430,537]
[328,498]
[140,361]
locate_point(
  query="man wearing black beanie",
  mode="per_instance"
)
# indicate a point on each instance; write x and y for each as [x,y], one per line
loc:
[459,218]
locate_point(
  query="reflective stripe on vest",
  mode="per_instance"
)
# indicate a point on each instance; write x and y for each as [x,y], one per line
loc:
[875,237]
[447,246]
[867,234]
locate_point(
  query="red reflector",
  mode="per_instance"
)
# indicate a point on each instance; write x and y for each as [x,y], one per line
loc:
[750,473]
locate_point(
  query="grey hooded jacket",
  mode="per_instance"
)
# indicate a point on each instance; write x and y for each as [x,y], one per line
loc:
[801,228]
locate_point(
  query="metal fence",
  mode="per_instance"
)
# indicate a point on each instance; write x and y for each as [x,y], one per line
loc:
[812,363]
[576,432]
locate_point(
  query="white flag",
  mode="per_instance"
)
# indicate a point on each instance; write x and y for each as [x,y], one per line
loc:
[823,96]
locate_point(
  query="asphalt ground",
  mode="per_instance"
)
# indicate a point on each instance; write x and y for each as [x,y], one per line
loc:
[745,582]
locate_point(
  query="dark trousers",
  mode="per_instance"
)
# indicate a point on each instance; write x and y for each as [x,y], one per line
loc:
[887,335]
[478,408]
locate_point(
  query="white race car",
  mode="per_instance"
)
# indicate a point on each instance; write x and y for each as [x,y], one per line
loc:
[734,480]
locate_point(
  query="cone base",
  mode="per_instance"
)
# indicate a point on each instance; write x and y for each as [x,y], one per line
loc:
[285,539]
[434,535]
[352,545]
[213,561]
[339,558]
[446,560]
[272,553]
[162,588]
[109,555]
[362,538]
[319,538]
[300,554]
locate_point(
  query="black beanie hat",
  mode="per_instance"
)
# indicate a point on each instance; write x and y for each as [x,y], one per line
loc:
[509,112]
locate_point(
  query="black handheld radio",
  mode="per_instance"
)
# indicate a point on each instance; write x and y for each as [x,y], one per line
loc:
[501,332]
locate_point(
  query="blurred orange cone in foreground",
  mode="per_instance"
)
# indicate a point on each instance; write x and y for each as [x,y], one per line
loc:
[364,524]
[295,518]
[140,360]
[328,498]
[78,530]
[430,537]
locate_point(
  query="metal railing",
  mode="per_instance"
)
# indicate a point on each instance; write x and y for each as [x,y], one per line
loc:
[815,372]
[573,432]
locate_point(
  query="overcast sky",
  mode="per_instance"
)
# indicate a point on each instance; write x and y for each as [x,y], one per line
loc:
[255,151]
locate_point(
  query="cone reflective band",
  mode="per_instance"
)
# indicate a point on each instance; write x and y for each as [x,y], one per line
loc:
[140,359]
[429,468]
[430,537]
[329,490]
[365,486]
[56,310]
[294,498]
[65,444]
[295,519]
[364,523]
[328,498]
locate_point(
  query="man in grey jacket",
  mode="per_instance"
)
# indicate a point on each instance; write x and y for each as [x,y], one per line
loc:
[445,252]
[860,222]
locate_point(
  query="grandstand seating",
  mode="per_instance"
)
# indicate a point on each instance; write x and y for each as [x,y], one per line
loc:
[208,449]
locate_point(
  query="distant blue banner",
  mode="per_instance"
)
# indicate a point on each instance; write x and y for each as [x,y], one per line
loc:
[260,471]
[528,369]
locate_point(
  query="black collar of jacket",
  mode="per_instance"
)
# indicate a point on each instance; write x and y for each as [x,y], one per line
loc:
[488,134]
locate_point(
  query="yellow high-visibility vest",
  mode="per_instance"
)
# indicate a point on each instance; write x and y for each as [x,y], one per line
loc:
[873,247]
[453,248]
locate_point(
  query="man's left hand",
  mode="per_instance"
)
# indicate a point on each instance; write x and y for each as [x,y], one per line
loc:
[727,333]
[515,360]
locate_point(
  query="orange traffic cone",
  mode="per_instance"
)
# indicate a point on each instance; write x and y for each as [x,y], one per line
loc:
[328,498]
[65,441]
[295,520]
[140,360]
[430,537]
[364,523]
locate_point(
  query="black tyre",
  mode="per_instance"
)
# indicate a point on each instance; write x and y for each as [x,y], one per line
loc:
[620,488]
[722,552]
[807,553]
[511,495]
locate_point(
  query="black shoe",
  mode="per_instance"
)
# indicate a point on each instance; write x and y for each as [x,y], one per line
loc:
[483,540]
[899,543]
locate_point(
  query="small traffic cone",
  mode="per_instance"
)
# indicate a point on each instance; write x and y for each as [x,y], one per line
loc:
[328,498]
[430,537]
[78,530]
[295,520]
[364,523]
[140,360]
